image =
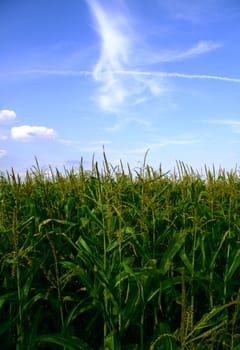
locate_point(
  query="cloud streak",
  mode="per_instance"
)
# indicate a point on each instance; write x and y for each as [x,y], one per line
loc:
[233,124]
[49,72]
[123,123]
[156,146]
[134,73]
[200,48]
[3,137]
[204,11]
[165,142]
[177,75]
[3,153]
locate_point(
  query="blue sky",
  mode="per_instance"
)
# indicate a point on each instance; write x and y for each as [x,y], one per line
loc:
[132,76]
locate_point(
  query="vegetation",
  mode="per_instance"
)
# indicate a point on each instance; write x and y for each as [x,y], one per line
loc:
[115,259]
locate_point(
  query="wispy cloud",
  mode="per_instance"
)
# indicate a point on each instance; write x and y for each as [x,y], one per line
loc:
[102,142]
[233,124]
[161,143]
[140,101]
[85,147]
[153,148]
[119,82]
[118,54]
[28,133]
[200,11]
[199,49]
[3,153]
[3,135]
[124,122]
[68,142]
[79,142]
[114,31]
[171,141]
[7,115]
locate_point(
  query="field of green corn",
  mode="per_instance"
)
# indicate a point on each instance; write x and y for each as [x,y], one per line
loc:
[116,259]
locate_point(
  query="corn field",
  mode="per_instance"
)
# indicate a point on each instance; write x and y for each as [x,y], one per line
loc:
[119,259]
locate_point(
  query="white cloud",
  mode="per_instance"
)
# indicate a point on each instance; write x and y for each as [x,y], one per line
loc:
[114,31]
[116,42]
[27,132]
[3,152]
[7,115]
[119,53]
[120,84]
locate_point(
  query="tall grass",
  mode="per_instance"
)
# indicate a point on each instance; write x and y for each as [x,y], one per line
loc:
[116,259]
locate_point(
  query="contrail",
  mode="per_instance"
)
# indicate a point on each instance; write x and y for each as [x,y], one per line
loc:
[67,72]
[177,75]
[130,73]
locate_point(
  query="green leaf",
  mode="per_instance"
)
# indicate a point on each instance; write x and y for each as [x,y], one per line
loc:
[82,243]
[209,320]
[185,260]
[113,245]
[4,326]
[163,339]
[7,297]
[164,286]
[32,301]
[93,216]
[236,347]
[235,262]
[110,342]
[218,250]
[84,222]
[68,342]
[174,246]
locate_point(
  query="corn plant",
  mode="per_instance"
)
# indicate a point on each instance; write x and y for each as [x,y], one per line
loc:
[119,259]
